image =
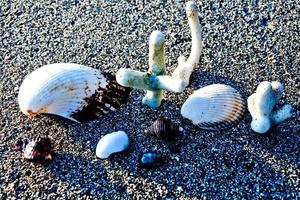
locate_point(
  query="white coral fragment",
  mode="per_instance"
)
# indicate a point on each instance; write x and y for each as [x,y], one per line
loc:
[261,106]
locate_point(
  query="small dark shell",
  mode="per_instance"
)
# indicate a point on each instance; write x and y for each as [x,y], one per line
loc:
[163,128]
[38,150]
[20,145]
[150,159]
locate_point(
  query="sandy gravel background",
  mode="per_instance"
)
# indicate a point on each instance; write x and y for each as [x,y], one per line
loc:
[244,44]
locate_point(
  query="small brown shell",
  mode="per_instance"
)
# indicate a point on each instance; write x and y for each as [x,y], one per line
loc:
[163,128]
[38,150]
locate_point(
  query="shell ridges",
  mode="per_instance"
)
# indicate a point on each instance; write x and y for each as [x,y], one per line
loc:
[214,107]
[70,90]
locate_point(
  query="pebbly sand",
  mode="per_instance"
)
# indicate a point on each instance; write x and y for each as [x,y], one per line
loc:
[244,44]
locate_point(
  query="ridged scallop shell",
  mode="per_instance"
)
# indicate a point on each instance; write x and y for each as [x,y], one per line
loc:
[214,107]
[163,128]
[112,143]
[70,90]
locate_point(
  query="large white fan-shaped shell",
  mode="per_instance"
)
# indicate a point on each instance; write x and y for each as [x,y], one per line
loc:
[68,90]
[214,107]
[112,143]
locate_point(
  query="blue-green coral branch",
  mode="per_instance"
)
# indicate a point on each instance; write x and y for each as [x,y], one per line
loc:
[155,80]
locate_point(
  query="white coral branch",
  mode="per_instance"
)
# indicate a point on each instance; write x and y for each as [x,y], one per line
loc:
[186,67]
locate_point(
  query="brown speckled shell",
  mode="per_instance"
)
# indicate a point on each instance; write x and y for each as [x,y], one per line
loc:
[38,150]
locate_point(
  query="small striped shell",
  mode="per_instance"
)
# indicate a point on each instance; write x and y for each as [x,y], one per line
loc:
[163,128]
[70,90]
[214,107]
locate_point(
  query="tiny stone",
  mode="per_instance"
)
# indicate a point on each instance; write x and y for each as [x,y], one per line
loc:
[179,189]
